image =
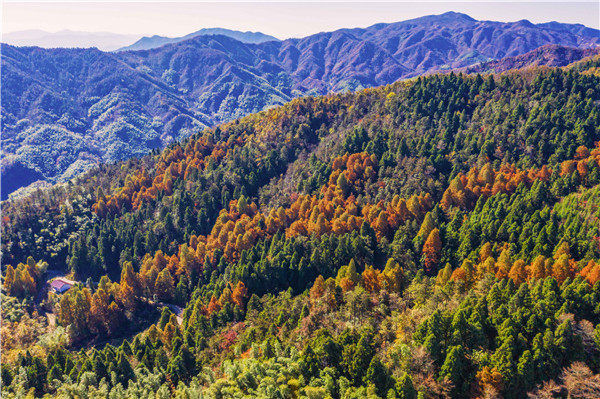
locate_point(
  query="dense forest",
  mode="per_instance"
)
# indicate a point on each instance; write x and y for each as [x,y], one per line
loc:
[435,238]
[65,110]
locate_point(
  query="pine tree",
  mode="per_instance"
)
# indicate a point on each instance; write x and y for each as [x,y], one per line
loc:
[405,388]
[309,364]
[378,375]
[455,370]
[124,369]
[165,315]
[525,372]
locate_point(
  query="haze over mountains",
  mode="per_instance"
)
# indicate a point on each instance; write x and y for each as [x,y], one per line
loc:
[64,110]
[108,41]
[149,42]
[105,41]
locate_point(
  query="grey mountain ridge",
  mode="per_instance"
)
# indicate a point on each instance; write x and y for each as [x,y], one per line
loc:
[150,42]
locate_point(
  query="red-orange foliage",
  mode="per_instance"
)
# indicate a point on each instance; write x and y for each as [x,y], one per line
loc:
[464,190]
[317,290]
[174,163]
[239,294]
[489,380]
[518,272]
[561,267]
[203,151]
[584,159]
[333,210]
[591,272]
[214,305]
[432,251]
[371,279]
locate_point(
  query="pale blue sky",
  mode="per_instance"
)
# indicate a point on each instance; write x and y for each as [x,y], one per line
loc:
[280,19]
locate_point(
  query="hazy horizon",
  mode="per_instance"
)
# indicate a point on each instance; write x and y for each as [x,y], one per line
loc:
[282,20]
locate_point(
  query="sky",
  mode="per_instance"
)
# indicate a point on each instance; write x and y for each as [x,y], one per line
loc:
[280,19]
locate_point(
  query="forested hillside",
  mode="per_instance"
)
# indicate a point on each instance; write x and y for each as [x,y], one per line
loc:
[65,110]
[549,55]
[437,237]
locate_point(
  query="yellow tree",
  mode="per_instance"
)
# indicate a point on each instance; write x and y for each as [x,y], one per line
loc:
[562,249]
[427,226]
[562,269]
[486,267]
[467,272]
[485,251]
[170,332]
[225,297]
[392,278]
[444,275]
[9,279]
[99,308]
[504,264]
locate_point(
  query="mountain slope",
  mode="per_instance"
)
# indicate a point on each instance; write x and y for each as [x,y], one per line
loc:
[453,40]
[549,55]
[437,237]
[150,42]
[112,106]
[78,107]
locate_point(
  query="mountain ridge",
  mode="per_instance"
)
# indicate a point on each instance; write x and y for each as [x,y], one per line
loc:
[548,55]
[118,105]
[150,42]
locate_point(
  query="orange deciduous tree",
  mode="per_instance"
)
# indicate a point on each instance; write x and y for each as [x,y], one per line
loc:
[432,251]
[317,290]
[239,294]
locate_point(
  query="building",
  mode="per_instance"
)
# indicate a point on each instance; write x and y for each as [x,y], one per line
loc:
[60,285]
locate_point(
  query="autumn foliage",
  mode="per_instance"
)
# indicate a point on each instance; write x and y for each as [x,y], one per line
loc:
[465,190]
[561,266]
[24,279]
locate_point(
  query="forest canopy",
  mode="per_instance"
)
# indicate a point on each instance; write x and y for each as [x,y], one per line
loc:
[437,237]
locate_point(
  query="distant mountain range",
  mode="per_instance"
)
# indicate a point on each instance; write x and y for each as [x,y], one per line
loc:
[150,42]
[105,41]
[64,110]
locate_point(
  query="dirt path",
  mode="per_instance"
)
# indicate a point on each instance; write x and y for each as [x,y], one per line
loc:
[177,311]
